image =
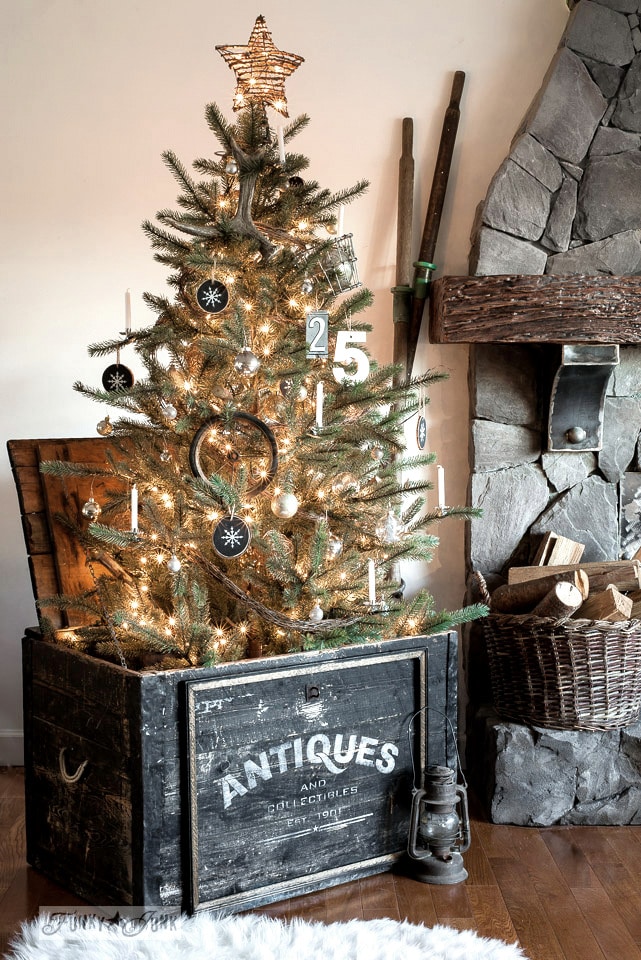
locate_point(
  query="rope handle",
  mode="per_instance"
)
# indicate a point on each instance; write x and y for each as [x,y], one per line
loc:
[70,777]
[485,594]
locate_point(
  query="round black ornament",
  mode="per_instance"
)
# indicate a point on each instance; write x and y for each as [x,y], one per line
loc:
[223,444]
[117,377]
[421,432]
[231,537]
[212,296]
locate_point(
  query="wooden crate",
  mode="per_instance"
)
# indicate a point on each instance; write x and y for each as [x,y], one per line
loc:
[230,786]
[157,815]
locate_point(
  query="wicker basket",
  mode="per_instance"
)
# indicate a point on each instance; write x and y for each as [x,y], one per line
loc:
[568,675]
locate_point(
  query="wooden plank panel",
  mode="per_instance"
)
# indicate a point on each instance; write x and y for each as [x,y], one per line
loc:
[451,903]
[531,309]
[569,857]
[566,919]
[607,926]
[378,897]
[414,900]
[532,925]
[622,887]
[477,865]
[66,497]
[491,916]
[12,841]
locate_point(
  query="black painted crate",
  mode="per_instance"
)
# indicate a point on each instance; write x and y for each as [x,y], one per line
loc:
[158,816]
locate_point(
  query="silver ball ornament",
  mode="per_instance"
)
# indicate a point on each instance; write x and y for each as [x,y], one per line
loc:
[377,453]
[246,362]
[168,410]
[91,509]
[105,427]
[231,166]
[307,286]
[174,564]
[389,528]
[165,456]
[284,505]
[316,614]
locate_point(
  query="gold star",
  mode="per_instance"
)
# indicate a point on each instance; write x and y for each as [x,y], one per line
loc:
[260,69]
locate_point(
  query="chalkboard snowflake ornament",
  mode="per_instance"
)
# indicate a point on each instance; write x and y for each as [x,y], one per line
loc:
[117,377]
[212,296]
[231,537]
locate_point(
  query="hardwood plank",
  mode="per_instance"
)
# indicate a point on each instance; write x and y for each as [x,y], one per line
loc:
[570,858]
[533,928]
[414,900]
[451,903]
[622,888]
[491,916]
[607,926]
[11,783]
[626,841]
[478,866]
[378,897]
[494,839]
[12,840]
[566,919]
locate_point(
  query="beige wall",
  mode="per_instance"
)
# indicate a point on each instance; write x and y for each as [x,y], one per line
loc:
[93,92]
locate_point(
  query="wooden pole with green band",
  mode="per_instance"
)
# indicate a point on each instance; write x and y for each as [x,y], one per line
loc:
[424,266]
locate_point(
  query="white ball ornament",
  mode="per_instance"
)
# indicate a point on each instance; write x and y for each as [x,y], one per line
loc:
[174,564]
[284,505]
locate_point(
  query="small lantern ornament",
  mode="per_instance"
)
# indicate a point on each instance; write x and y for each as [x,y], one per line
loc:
[438,836]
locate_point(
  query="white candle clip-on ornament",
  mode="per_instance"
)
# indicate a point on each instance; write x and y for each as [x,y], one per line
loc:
[440,482]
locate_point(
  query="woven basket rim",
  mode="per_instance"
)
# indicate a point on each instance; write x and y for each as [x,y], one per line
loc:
[573,621]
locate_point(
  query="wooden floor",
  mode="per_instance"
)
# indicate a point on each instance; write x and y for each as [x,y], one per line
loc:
[566,893]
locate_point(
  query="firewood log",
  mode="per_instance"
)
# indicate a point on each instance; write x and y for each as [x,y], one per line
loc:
[609,604]
[523,597]
[560,603]
[624,574]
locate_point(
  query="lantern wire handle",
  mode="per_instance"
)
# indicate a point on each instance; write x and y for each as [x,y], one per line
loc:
[456,750]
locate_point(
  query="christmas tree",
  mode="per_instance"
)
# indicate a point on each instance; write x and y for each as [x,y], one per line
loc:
[259,494]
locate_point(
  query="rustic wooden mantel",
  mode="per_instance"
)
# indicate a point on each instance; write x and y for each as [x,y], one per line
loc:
[536,309]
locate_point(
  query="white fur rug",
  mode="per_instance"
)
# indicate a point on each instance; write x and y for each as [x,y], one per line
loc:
[251,937]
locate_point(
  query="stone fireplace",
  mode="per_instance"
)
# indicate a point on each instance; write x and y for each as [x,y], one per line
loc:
[559,235]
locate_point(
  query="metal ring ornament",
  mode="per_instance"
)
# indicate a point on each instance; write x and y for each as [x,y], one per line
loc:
[252,425]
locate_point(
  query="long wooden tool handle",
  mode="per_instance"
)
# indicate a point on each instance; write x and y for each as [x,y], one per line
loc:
[405,206]
[424,265]
[403,290]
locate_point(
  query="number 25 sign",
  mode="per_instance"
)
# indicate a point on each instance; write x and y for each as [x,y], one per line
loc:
[317,333]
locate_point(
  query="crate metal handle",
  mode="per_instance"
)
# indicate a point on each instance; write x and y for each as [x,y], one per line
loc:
[70,777]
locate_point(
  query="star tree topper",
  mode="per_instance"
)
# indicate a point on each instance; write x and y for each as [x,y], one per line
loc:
[260,69]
